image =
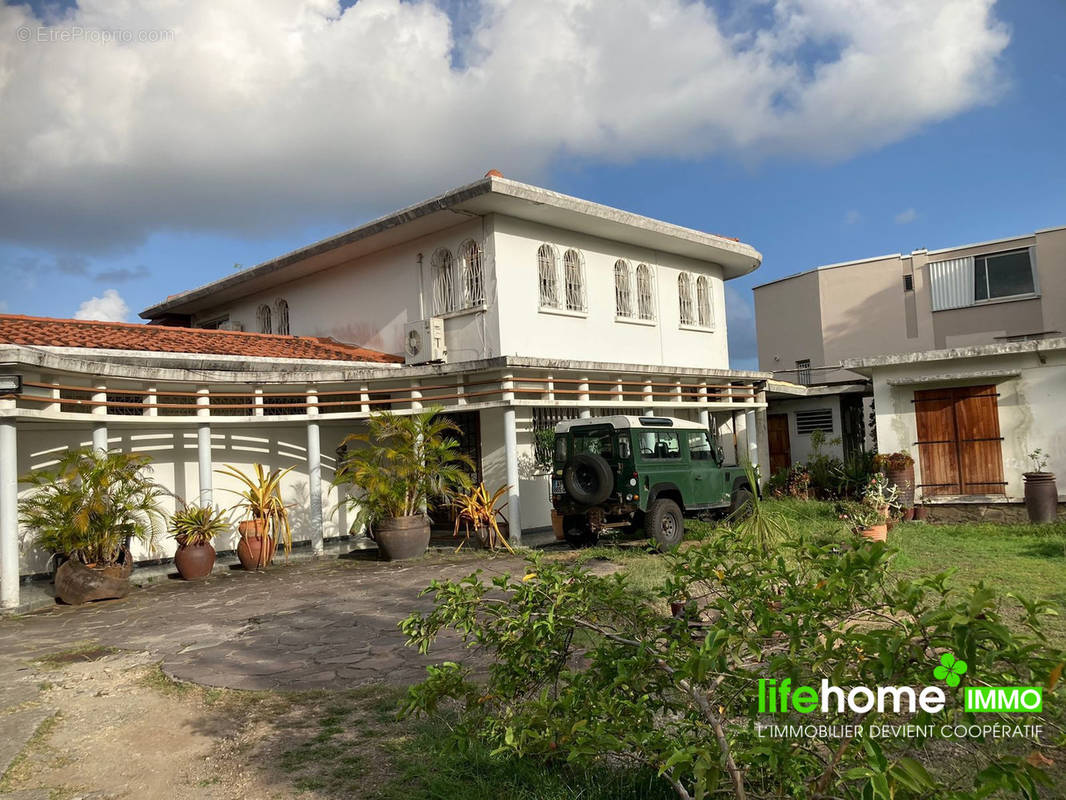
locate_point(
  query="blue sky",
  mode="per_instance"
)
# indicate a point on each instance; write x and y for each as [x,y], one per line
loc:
[152,185]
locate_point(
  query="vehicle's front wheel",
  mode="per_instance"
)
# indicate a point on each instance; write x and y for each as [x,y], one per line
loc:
[665,524]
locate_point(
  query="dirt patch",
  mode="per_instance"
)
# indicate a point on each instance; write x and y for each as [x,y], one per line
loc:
[123,729]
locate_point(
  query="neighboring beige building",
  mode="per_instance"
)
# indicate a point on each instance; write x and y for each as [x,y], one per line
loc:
[963,347]
[997,291]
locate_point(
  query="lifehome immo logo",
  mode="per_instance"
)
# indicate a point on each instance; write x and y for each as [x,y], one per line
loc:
[781,697]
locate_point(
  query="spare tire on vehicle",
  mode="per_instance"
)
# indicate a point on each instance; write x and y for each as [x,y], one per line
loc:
[588,479]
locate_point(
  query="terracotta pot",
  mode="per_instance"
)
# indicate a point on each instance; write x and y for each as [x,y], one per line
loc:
[1041,496]
[903,480]
[557,526]
[876,533]
[400,538]
[77,583]
[255,549]
[194,561]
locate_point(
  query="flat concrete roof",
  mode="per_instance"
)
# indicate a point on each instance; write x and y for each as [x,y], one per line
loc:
[625,421]
[864,365]
[489,195]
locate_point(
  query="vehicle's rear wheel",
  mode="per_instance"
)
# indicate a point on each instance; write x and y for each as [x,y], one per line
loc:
[665,524]
[577,533]
[740,505]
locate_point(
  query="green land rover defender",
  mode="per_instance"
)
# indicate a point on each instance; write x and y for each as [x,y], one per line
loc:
[632,472]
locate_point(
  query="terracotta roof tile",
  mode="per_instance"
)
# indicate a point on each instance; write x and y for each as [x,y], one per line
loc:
[47,332]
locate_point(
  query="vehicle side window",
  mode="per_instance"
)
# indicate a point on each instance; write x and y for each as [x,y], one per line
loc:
[699,446]
[623,445]
[659,445]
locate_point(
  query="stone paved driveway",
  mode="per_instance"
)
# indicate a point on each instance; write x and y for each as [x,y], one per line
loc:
[320,624]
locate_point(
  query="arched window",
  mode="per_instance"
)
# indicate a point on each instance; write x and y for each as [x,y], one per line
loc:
[703,302]
[575,280]
[443,281]
[472,274]
[547,273]
[684,296]
[623,292]
[281,310]
[263,316]
[645,307]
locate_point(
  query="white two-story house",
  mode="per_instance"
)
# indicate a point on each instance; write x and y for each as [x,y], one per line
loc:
[510,306]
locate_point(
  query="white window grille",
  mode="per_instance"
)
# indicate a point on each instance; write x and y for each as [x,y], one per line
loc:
[443,281]
[575,281]
[684,297]
[473,276]
[703,302]
[263,316]
[645,306]
[623,292]
[281,307]
[547,269]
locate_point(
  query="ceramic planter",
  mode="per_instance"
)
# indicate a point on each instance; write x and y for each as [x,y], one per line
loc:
[1041,496]
[876,533]
[194,561]
[903,480]
[255,549]
[400,538]
[78,583]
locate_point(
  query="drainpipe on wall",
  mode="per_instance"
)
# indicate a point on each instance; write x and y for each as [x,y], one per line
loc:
[421,290]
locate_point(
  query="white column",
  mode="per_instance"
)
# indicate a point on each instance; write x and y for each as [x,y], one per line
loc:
[203,444]
[9,521]
[583,388]
[100,428]
[510,450]
[151,401]
[364,398]
[416,395]
[257,401]
[314,474]
[705,415]
[649,398]
[751,437]
[762,439]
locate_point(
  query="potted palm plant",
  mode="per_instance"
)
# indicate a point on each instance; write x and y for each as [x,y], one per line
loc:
[267,520]
[1041,491]
[86,511]
[193,528]
[477,513]
[395,467]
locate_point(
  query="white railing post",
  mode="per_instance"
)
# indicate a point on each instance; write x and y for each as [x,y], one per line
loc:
[314,474]
[203,444]
[9,520]
[583,388]
[510,449]
[100,428]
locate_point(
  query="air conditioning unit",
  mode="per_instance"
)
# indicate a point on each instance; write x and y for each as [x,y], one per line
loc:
[231,325]
[423,341]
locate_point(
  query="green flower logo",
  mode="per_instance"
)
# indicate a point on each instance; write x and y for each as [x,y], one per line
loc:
[950,670]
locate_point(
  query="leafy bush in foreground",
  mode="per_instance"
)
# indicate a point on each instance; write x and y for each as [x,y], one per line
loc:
[583,670]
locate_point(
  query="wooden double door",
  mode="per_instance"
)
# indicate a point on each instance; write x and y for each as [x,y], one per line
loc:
[959,443]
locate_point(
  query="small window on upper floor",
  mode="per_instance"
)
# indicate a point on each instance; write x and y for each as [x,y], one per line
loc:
[443,281]
[262,316]
[645,299]
[704,309]
[472,273]
[908,283]
[623,292]
[999,275]
[684,297]
[574,274]
[803,371]
[547,276]
[281,309]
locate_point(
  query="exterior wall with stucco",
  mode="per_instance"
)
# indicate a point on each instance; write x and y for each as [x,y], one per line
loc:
[1030,406]
[800,443]
[369,300]
[529,330]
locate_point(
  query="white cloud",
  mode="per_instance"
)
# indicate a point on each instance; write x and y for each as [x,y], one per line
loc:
[852,217]
[109,308]
[906,216]
[260,113]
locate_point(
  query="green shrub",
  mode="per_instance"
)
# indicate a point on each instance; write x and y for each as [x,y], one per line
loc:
[582,670]
[91,504]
